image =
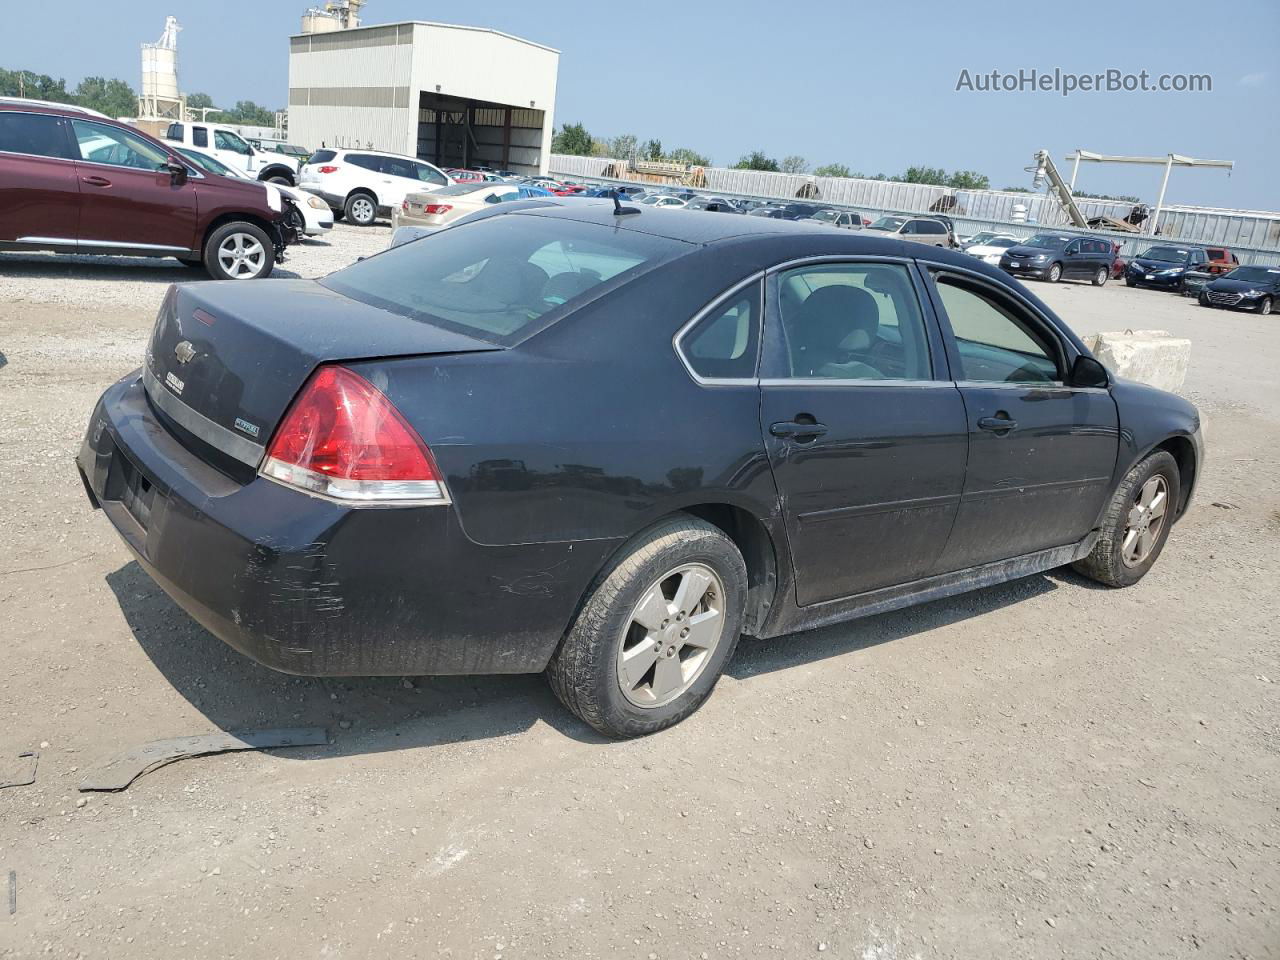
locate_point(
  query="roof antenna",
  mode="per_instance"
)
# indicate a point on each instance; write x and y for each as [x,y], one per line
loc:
[618,209]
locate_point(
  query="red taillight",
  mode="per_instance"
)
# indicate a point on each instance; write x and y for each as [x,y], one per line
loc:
[436,208]
[342,438]
[328,169]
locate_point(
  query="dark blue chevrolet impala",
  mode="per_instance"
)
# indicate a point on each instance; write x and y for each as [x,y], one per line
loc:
[604,444]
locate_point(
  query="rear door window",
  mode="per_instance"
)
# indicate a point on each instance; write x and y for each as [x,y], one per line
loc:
[199,137]
[503,277]
[851,321]
[35,134]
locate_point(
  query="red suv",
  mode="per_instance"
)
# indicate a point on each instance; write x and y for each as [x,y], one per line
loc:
[74,181]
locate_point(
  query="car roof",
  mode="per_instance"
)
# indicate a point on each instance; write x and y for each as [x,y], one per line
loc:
[43,106]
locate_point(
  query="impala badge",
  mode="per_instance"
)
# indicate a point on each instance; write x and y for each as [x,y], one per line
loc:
[185,351]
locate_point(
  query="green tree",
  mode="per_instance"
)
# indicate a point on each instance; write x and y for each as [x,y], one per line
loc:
[572,139]
[832,170]
[113,97]
[198,101]
[794,164]
[622,147]
[969,180]
[652,150]
[37,86]
[756,160]
[1016,190]
[689,157]
[932,175]
[249,113]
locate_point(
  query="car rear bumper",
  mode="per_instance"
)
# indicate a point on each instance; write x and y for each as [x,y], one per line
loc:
[309,586]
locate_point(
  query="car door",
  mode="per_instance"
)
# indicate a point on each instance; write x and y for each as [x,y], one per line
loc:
[234,151]
[129,199]
[866,436]
[39,186]
[1041,452]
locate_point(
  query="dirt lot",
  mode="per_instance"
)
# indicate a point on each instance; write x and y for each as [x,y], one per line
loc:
[1044,769]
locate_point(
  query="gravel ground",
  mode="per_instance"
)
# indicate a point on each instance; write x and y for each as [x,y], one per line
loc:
[1042,769]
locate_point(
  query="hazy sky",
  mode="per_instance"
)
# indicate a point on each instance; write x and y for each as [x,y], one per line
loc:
[869,85]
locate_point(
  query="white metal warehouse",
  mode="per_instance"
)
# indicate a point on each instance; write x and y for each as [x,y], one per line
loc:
[452,95]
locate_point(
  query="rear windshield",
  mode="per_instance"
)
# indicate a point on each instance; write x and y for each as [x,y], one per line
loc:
[322,156]
[503,277]
[462,189]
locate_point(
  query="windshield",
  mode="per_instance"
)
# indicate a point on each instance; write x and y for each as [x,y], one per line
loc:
[980,239]
[209,164]
[827,215]
[1050,241]
[498,278]
[1255,274]
[1167,254]
[888,223]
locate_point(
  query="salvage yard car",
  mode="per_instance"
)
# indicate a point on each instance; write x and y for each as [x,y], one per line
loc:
[438,209]
[1244,288]
[310,216]
[75,182]
[1061,256]
[363,185]
[1164,266]
[605,444]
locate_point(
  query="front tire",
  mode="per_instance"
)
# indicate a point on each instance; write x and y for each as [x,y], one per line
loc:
[655,631]
[1101,276]
[239,251]
[1264,308]
[1055,273]
[1130,282]
[1136,525]
[361,209]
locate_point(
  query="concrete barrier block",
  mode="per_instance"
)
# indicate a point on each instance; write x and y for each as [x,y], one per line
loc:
[1155,357]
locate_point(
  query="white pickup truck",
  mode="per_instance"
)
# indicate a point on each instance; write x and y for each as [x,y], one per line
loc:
[226,145]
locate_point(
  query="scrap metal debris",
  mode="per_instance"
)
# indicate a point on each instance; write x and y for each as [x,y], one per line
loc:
[23,772]
[119,772]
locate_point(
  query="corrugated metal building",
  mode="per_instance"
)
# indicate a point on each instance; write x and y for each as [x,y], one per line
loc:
[452,95]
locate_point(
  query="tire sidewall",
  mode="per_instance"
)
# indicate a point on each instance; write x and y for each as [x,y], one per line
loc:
[700,544]
[1158,462]
[1054,274]
[1101,276]
[211,263]
[1265,307]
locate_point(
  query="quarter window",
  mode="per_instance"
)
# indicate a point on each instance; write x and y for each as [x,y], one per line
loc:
[36,134]
[100,143]
[995,342]
[724,343]
[852,321]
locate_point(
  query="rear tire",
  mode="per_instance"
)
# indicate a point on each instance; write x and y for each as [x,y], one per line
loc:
[1142,506]
[361,209]
[1101,276]
[1055,273]
[239,251]
[625,667]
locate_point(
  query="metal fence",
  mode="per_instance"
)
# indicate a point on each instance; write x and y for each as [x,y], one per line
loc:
[1255,235]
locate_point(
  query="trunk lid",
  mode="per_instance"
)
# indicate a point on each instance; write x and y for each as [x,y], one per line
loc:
[226,359]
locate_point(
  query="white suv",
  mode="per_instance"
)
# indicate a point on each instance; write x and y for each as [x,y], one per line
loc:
[363,184]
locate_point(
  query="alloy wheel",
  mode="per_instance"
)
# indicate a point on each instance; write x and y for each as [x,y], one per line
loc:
[1146,520]
[362,210]
[241,256]
[671,635]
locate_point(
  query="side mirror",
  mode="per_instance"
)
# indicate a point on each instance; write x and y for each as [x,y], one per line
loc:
[1088,372]
[177,172]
